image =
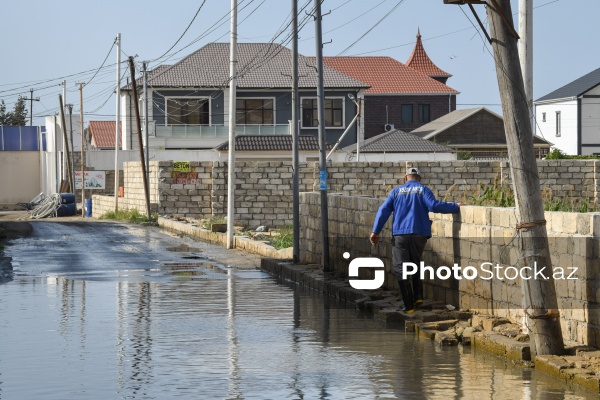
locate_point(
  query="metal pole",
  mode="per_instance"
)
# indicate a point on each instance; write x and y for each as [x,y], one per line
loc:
[322,152]
[56,166]
[72,159]
[146,133]
[295,138]
[118,122]
[232,116]
[82,151]
[361,126]
[526,53]
[65,142]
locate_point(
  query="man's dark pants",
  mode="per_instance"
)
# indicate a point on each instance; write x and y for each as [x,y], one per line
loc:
[408,248]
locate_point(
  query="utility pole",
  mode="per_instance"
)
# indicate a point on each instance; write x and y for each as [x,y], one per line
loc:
[526,53]
[295,138]
[146,134]
[540,295]
[140,140]
[118,122]
[31,100]
[82,149]
[232,120]
[72,161]
[66,143]
[541,304]
[322,148]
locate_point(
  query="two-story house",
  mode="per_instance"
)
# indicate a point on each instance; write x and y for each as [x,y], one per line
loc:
[569,117]
[401,96]
[190,99]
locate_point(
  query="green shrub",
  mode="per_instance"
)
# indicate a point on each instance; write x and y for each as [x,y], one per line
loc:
[285,238]
[132,215]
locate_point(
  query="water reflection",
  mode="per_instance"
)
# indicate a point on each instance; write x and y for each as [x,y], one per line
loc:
[167,329]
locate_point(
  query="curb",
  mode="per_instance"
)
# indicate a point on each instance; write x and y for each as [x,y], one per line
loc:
[239,242]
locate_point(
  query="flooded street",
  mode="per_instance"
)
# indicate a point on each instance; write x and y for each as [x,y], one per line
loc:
[111,311]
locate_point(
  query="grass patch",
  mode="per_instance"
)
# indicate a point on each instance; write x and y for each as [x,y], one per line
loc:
[132,215]
[284,239]
[501,195]
[213,220]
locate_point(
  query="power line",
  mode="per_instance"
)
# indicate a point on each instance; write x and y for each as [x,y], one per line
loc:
[103,62]
[371,28]
[184,32]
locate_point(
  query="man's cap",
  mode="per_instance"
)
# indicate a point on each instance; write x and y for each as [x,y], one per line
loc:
[412,171]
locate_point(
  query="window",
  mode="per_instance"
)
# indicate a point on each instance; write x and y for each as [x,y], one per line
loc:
[407,113]
[424,113]
[188,111]
[543,117]
[334,113]
[558,121]
[254,111]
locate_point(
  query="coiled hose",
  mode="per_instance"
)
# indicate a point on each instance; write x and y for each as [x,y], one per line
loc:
[47,207]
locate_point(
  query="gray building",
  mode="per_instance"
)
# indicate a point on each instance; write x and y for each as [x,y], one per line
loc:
[190,99]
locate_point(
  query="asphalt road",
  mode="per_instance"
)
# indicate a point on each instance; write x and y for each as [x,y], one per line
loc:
[98,250]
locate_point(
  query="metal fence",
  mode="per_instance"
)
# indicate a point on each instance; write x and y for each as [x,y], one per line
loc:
[22,138]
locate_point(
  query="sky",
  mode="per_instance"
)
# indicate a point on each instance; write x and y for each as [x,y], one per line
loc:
[48,41]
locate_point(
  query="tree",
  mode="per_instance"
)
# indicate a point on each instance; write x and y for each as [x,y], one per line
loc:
[17,117]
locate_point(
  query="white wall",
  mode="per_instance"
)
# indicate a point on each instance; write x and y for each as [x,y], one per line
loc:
[53,162]
[105,159]
[20,177]
[567,141]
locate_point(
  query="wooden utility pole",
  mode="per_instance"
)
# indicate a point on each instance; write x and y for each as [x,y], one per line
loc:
[140,140]
[64,129]
[541,301]
[540,295]
[31,100]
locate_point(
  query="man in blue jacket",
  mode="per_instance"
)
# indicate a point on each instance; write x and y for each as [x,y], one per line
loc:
[411,204]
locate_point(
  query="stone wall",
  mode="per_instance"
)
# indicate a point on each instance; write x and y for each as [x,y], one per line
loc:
[476,236]
[134,196]
[263,193]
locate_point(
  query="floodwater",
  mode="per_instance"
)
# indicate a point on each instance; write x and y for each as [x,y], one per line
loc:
[107,311]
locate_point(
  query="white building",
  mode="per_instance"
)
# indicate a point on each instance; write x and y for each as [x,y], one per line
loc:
[569,117]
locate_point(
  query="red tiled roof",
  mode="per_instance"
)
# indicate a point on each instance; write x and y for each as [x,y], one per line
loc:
[103,133]
[420,61]
[386,75]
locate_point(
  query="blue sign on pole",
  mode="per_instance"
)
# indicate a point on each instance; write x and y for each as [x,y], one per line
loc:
[323,180]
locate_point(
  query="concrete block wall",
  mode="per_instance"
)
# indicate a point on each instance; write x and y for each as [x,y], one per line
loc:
[264,189]
[476,236]
[185,193]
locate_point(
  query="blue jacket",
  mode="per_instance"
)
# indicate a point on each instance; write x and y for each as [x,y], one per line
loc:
[411,204]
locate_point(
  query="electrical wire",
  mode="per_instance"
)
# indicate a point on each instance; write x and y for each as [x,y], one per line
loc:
[371,28]
[103,62]
[184,32]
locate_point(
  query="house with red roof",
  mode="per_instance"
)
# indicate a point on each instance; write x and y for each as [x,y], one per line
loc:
[400,96]
[102,134]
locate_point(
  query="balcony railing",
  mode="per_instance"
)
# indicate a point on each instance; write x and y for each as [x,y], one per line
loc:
[218,131]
